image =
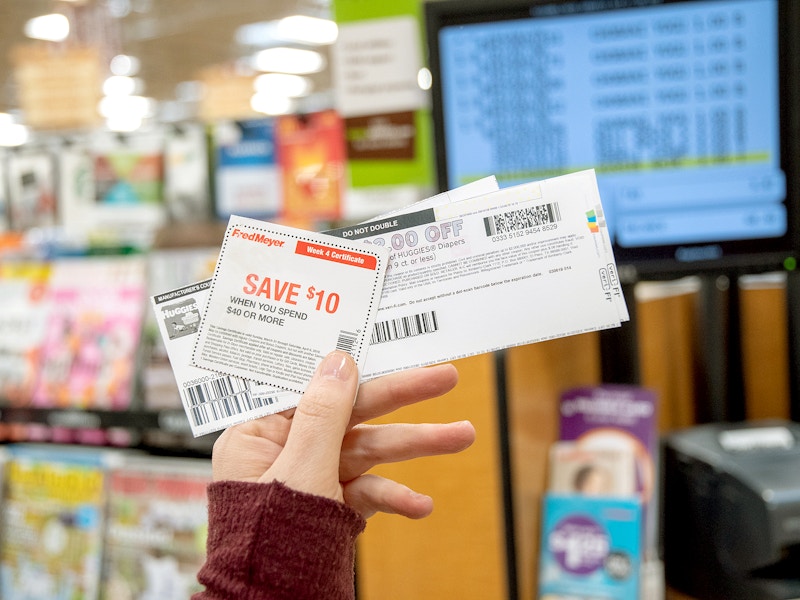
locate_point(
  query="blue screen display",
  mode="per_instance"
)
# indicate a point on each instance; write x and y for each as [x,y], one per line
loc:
[676,106]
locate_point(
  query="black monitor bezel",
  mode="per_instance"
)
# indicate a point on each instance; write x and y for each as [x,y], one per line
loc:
[655,262]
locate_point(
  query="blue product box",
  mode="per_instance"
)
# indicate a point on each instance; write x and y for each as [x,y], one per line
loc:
[590,548]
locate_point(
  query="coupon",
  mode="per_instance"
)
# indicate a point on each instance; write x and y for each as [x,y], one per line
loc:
[516,266]
[211,400]
[282,298]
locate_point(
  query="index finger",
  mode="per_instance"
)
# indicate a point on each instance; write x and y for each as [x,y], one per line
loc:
[386,394]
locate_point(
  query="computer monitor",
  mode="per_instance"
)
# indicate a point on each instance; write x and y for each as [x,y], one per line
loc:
[688,110]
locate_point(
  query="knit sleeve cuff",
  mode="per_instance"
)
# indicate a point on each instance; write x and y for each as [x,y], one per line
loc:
[270,541]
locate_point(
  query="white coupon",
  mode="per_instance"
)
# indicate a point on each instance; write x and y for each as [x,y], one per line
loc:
[282,298]
[212,400]
[520,265]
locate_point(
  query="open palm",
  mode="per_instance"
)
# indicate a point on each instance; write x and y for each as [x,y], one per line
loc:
[328,449]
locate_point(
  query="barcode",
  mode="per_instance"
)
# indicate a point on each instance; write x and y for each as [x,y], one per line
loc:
[221,387]
[228,407]
[346,341]
[522,219]
[222,397]
[403,327]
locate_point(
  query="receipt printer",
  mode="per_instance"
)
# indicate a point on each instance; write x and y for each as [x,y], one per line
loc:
[731,510]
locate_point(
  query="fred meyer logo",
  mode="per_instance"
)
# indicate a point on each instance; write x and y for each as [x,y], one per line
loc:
[256,237]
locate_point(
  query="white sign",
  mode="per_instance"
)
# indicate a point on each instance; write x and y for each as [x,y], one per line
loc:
[375,66]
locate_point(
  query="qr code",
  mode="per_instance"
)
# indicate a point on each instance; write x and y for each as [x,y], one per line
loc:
[525,218]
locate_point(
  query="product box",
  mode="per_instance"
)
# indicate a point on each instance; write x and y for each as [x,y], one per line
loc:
[247,176]
[590,548]
[619,417]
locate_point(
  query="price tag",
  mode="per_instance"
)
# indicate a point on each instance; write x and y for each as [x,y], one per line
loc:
[282,298]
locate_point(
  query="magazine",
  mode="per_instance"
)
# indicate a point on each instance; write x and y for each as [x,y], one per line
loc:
[157,528]
[53,522]
[23,287]
[91,347]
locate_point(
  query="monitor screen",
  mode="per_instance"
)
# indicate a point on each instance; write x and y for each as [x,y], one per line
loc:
[687,110]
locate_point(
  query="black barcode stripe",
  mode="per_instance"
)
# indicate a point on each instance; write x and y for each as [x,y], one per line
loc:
[346,341]
[404,327]
[228,406]
[215,389]
[524,218]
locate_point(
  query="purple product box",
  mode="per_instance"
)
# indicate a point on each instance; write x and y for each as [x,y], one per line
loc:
[619,417]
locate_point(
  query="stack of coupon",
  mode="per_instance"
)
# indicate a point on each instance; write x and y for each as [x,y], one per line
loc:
[473,270]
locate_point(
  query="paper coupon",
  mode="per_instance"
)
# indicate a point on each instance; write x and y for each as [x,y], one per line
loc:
[212,400]
[516,266]
[282,298]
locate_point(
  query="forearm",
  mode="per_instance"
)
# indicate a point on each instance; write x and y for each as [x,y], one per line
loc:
[269,542]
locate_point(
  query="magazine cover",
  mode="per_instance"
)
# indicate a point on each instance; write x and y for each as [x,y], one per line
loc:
[91,347]
[31,189]
[4,225]
[76,193]
[187,194]
[157,528]
[53,522]
[247,177]
[622,417]
[128,185]
[311,153]
[590,548]
[23,288]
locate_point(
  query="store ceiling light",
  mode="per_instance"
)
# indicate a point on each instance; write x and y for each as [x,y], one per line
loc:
[120,85]
[307,30]
[112,107]
[297,28]
[288,60]
[13,134]
[125,65]
[51,28]
[124,123]
[282,84]
[271,105]
[424,78]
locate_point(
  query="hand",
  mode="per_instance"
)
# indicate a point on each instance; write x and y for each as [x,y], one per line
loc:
[323,446]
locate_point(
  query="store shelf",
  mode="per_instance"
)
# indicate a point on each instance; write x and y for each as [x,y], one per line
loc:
[169,421]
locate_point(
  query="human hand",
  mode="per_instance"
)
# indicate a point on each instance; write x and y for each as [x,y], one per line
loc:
[324,446]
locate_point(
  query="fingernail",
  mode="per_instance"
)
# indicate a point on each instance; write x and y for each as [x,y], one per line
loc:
[337,365]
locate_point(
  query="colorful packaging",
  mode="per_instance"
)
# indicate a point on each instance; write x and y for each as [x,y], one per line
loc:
[619,417]
[590,548]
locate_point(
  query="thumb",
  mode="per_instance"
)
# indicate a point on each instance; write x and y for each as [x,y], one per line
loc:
[309,461]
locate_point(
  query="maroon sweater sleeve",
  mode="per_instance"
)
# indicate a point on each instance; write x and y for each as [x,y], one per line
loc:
[269,542]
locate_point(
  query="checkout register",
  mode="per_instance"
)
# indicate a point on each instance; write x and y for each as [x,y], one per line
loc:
[731,510]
